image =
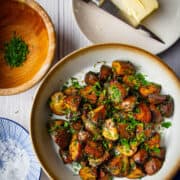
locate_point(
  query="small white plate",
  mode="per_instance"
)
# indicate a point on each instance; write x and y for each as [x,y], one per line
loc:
[101,27]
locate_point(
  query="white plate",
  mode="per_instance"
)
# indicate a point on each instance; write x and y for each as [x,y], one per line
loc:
[100,27]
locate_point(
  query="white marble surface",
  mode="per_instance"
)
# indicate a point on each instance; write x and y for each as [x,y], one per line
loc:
[69,38]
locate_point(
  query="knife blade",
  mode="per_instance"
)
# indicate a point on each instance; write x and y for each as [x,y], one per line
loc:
[109,7]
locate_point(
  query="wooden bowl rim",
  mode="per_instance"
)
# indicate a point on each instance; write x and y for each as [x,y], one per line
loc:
[45,166]
[50,54]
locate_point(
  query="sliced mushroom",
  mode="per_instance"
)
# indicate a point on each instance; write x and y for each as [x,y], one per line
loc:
[88,173]
[121,68]
[125,150]
[110,131]
[118,166]
[94,149]
[57,103]
[92,128]
[94,162]
[83,136]
[89,94]
[128,104]
[75,148]
[145,91]
[73,102]
[97,115]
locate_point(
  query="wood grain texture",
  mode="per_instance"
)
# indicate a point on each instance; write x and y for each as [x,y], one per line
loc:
[69,38]
[29,21]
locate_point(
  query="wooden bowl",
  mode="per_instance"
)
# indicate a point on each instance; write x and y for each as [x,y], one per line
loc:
[30,21]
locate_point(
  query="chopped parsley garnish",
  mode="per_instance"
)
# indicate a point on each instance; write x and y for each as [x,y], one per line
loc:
[138,80]
[15,51]
[97,88]
[166,124]
[132,123]
[124,142]
[105,144]
[66,124]
[115,94]
[156,150]
[75,83]
[95,137]
[141,137]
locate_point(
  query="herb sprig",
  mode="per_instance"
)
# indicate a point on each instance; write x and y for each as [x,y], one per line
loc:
[15,51]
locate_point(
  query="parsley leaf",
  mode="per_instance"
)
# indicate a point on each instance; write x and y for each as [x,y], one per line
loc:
[166,124]
[75,83]
[15,51]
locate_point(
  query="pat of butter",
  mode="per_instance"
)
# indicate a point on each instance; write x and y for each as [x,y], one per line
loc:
[134,11]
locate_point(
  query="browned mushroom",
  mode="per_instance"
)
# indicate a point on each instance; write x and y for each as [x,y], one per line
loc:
[128,104]
[124,132]
[105,72]
[73,102]
[156,114]
[57,103]
[75,148]
[91,78]
[140,157]
[103,175]
[97,114]
[144,114]
[154,141]
[117,92]
[62,138]
[88,173]
[121,68]
[156,98]
[118,166]
[167,108]
[152,166]
[89,94]
[83,136]
[145,91]
[160,153]
[94,149]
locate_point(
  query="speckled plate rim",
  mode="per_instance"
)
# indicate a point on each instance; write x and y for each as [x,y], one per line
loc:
[25,130]
[50,54]
[58,66]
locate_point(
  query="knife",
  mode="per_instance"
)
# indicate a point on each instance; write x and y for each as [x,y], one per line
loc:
[109,7]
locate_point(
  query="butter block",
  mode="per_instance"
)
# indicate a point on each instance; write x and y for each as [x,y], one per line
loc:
[134,11]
